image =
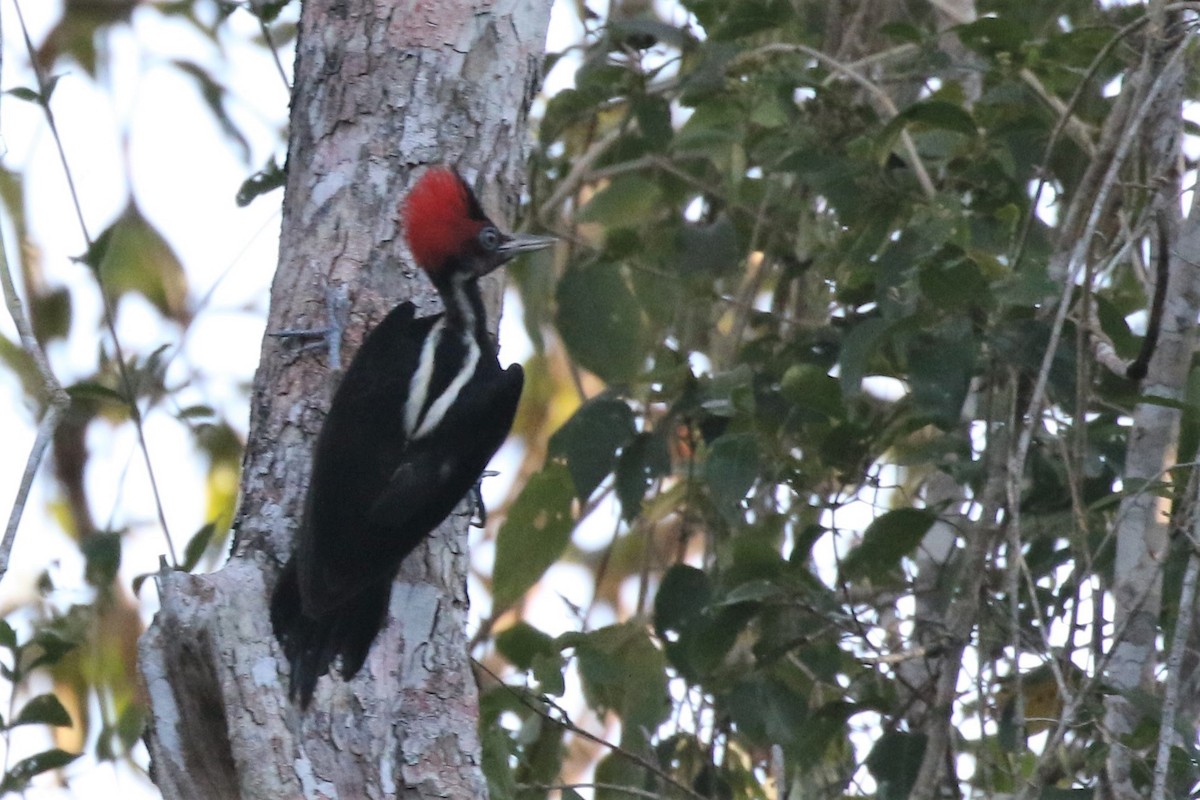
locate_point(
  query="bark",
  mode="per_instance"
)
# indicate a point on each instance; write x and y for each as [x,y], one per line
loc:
[1141,527]
[381,89]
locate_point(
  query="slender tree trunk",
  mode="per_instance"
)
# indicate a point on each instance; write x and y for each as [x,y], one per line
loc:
[1141,527]
[381,88]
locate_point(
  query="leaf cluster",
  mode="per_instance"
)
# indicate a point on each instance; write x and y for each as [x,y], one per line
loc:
[805,282]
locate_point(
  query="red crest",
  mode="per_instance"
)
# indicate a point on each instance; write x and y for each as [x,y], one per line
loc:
[438,218]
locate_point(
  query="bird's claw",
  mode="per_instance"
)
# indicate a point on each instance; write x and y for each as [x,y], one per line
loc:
[479,517]
[337,307]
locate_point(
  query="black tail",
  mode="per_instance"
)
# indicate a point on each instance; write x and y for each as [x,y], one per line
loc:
[310,644]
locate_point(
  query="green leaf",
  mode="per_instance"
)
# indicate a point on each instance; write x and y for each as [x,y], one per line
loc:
[8,637]
[134,257]
[138,580]
[590,439]
[90,390]
[1058,793]
[267,179]
[53,645]
[731,470]
[45,709]
[645,31]
[563,109]
[903,32]
[857,349]
[621,670]
[21,364]
[751,16]
[894,762]
[640,463]
[630,201]
[993,35]
[522,642]
[940,371]
[682,595]
[541,755]
[102,552]
[548,671]
[820,730]
[653,116]
[49,86]
[942,115]
[268,10]
[954,282]
[50,314]
[708,249]
[196,547]
[195,412]
[766,710]
[497,749]
[534,535]
[615,770]
[729,393]
[812,388]
[600,323]
[19,774]
[131,724]
[886,540]
[26,94]
[754,591]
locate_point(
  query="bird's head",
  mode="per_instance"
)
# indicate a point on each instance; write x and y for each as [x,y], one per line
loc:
[449,235]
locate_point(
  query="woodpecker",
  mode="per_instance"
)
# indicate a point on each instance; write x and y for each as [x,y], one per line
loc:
[422,408]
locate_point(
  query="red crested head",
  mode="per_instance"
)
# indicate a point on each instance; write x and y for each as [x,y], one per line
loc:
[442,219]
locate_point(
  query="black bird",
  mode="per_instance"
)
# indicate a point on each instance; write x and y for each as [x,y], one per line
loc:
[421,410]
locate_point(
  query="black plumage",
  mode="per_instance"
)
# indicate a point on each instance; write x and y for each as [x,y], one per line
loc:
[419,413]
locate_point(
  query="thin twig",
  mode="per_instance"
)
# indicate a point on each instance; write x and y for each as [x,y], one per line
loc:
[1060,126]
[1167,735]
[57,401]
[266,32]
[1049,759]
[885,100]
[1016,468]
[579,172]
[566,722]
[135,413]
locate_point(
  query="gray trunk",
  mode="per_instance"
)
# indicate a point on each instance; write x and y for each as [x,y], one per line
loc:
[381,89]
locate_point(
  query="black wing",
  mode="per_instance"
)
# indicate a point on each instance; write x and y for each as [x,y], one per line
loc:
[325,604]
[437,471]
[375,495]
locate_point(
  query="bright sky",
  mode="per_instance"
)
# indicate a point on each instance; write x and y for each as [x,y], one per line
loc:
[184,177]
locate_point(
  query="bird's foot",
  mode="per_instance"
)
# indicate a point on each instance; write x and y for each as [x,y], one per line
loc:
[479,517]
[337,310]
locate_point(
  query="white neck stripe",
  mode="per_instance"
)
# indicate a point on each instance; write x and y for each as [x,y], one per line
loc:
[418,388]
[442,404]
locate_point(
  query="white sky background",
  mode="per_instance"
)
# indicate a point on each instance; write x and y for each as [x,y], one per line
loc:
[185,173]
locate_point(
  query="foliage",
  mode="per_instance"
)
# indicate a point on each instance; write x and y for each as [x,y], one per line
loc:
[83,659]
[805,298]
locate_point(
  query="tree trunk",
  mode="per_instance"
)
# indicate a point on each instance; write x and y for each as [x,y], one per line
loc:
[380,90]
[1141,526]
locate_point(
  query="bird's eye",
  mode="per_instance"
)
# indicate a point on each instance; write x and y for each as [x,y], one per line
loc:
[489,238]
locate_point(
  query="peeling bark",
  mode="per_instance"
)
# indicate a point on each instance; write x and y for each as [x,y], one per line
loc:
[381,89]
